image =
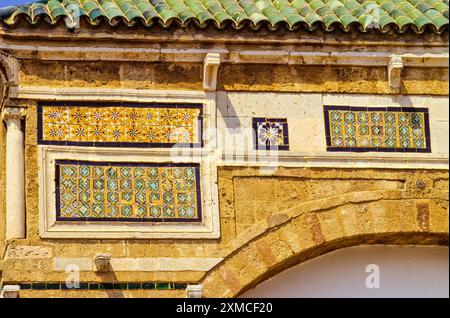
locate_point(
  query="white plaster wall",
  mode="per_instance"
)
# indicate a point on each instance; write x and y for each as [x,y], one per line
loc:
[405,271]
[303,111]
[306,121]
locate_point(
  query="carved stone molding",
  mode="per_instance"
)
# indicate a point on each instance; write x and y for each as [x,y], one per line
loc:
[194,291]
[9,75]
[10,291]
[102,262]
[11,113]
[395,68]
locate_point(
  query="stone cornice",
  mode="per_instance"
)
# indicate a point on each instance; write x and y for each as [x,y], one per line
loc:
[413,58]
[189,45]
[105,94]
[191,33]
[333,160]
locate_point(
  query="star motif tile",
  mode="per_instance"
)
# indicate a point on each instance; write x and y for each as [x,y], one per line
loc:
[159,125]
[271,133]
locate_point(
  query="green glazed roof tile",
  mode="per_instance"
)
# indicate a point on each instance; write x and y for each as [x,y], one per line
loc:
[363,15]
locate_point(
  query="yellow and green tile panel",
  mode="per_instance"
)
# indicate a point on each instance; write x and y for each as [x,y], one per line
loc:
[133,125]
[387,129]
[127,192]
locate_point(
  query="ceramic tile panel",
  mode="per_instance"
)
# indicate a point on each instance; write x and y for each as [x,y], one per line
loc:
[104,286]
[133,192]
[384,129]
[116,124]
[271,133]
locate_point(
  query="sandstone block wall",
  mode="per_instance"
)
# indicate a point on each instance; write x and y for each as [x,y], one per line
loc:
[268,221]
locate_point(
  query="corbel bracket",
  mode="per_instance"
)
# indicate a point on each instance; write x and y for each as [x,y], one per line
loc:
[210,67]
[102,262]
[9,75]
[194,291]
[395,67]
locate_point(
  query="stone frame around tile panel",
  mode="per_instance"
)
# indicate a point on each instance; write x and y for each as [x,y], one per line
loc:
[187,104]
[330,148]
[50,227]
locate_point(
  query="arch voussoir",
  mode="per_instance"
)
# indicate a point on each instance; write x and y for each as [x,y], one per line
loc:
[306,235]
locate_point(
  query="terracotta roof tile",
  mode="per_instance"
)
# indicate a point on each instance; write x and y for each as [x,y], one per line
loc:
[363,15]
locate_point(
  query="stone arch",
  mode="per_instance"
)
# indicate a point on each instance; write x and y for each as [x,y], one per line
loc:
[399,217]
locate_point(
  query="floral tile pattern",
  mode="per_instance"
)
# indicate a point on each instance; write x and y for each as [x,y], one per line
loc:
[95,191]
[377,129]
[271,133]
[114,124]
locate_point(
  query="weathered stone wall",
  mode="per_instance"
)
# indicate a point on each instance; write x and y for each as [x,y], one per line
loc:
[329,79]
[112,75]
[315,206]
[242,77]
[285,219]
[268,222]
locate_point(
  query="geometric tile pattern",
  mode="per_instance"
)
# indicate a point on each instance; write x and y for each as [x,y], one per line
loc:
[134,192]
[271,133]
[162,125]
[377,129]
[104,286]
